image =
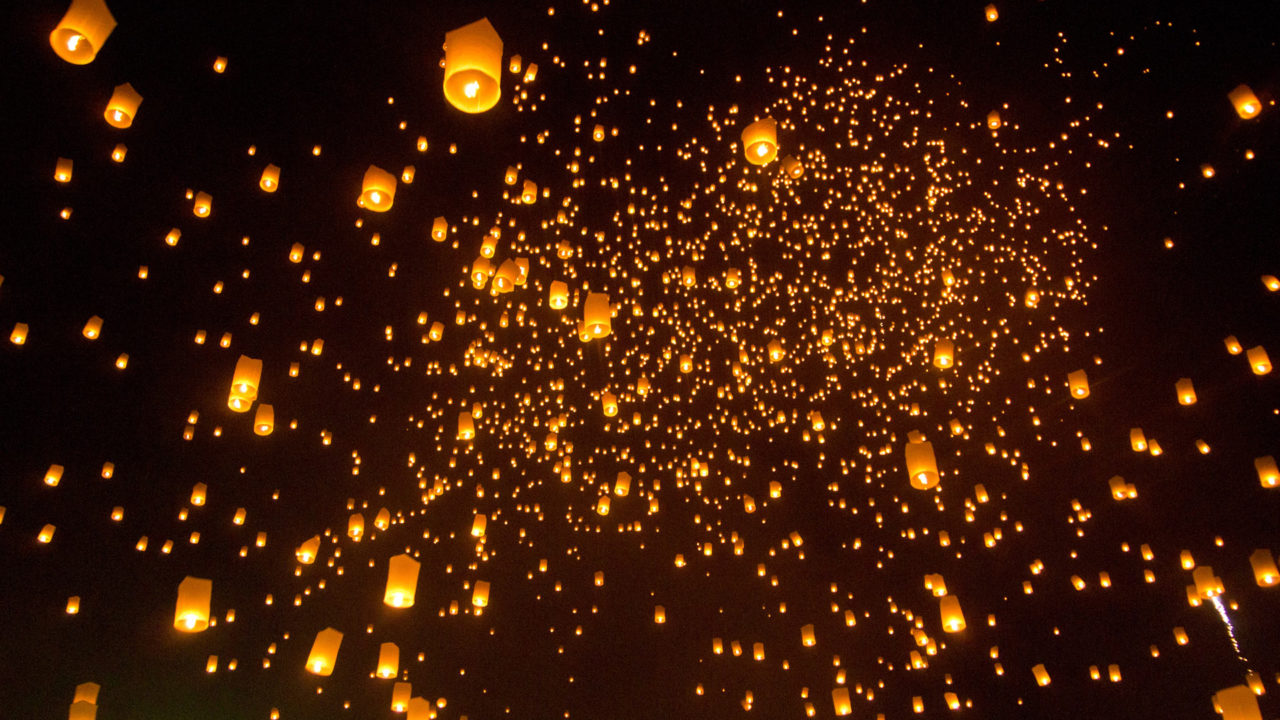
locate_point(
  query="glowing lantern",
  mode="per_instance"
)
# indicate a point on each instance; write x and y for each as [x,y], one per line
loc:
[840,699]
[602,505]
[597,315]
[406,175]
[807,637]
[1264,568]
[659,614]
[1245,102]
[1237,703]
[378,190]
[994,123]
[732,278]
[439,229]
[199,492]
[935,583]
[81,710]
[402,581]
[559,295]
[511,175]
[92,328]
[792,167]
[622,484]
[1137,440]
[270,179]
[122,106]
[420,709]
[19,334]
[400,693]
[478,525]
[118,152]
[480,594]
[922,466]
[1207,584]
[472,67]
[203,205]
[324,652]
[529,192]
[82,30]
[760,141]
[1268,474]
[244,383]
[307,551]
[504,281]
[1258,360]
[1041,675]
[1233,345]
[264,420]
[192,611]
[1186,391]
[531,73]
[355,526]
[62,170]
[597,133]
[952,615]
[388,660]
[775,350]
[944,354]
[991,13]
[1078,384]
[220,64]
[466,427]
[1271,282]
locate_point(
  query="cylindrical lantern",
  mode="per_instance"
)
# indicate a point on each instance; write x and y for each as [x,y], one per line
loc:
[400,693]
[597,315]
[792,167]
[264,420]
[1186,391]
[480,594]
[1264,568]
[203,205]
[1041,675]
[1268,474]
[355,526]
[760,141]
[1078,384]
[122,107]
[622,485]
[81,710]
[402,581]
[270,179]
[529,192]
[1237,703]
[478,525]
[1258,360]
[420,709]
[388,660]
[1137,440]
[92,328]
[82,31]
[991,13]
[840,699]
[473,67]
[807,637]
[504,281]
[609,402]
[993,120]
[775,350]
[244,383]
[466,427]
[944,354]
[378,190]
[602,505]
[439,229]
[952,615]
[558,298]
[307,551]
[191,613]
[1245,102]
[922,466]
[62,170]
[324,652]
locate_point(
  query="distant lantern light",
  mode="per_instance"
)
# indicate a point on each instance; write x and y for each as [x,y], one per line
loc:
[191,613]
[83,29]
[1268,473]
[439,229]
[760,141]
[324,652]
[473,66]
[92,328]
[270,179]
[62,170]
[378,190]
[122,107]
[388,660]
[308,550]
[1245,102]
[220,64]
[480,594]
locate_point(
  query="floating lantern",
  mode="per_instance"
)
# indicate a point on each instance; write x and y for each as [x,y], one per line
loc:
[307,551]
[952,615]
[220,64]
[775,350]
[378,190]
[355,526]
[994,123]
[480,594]
[118,152]
[760,141]
[324,652]
[529,192]
[597,315]
[1186,391]
[264,420]
[807,638]
[922,467]
[609,403]
[191,613]
[203,205]
[400,693]
[991,13]
[659,614]
[1264,568]
[270,179]
[472,67]
[122,107]
[1268,474]
[1258,360]
[81,32]
[944,354]
[1137,440]
[439,229]
[402,581]
[81,710]
[19,334]
[558,299]
[1245,102]
[1237,703]
[840,701]
[466,427]
[62,170]
[388,660]
[1041,675]
[1078,384]
[792,167]
[244,383]
[478,525]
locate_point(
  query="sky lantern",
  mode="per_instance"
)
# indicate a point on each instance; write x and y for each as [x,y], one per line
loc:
[480,594]
[1245,102]
[324,652]
[402,581]
[439,229]
[473,67]
[807,637]
[1041,674]
[378,190]
[775,350]
[922,467]
[1137,440]
[308,550]
[420,709]
[792,167]
[529,192]
[952,615]
[760,141]
[244,383]
[1078,384]
[991,13]
[609,403]
[602,505]
[944,354]
[400,696]
[202,206]
[840,701]
[92,328]
[558,295]
[270,179]
[82,710]
[478,525]
[264,420]
[62,170]
[1268,474]
[466,426]
[355,526]
[122,107]
[1186,391]
[993,123]
[1258,360]
[191,613]
[1237,702]
[1264,568]
[388,660]
[81,32]
[597,315]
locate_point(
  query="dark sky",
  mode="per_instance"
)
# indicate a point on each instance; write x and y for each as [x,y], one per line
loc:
[1091,193]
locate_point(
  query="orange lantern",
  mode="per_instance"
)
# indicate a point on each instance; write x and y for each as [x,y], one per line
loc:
[324,652]
[402,581]
[473,66]
[760,141]
[82,30]
[378,190]
[244,383]
[1245,102]
[122,107]
[270,179]
[192,611]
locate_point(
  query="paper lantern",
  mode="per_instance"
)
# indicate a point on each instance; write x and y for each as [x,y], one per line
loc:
[1186,391]
[597,315]
[220,64]
[203,205]
[775,350]
[1137,440]
[807,637]
[19,334]
[602,505]
[952,615]
[792,167]
[529,192]
[1245,102]
[355,526]
[388,660]
[1237,703]
[466,427]
[659,614]
[760,141]
[1233,345]
[1041,675]
[122,107]
[473,66]
[324,652]
[118,153]
[81,710]
[558,296]
[407,174]
[62,170]
[1268,474]
[922,466]
[270,179]
[530,73]
[439,229]
[402,581]
[199,492]
[191,614]
[92,328]
[378,190]
[944,354]
[1207,584]
[308,550]
[1258,360]
[1078,384]
[400,693]
[420,709]
[480,594]
[244,383]
[622,484]
[840,701]
[1264,568]
[991,13]
[87,692]
[597,133]
[994,123]
[81,32]
[264,420]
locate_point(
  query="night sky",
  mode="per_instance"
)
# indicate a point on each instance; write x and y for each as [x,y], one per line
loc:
[1067,187]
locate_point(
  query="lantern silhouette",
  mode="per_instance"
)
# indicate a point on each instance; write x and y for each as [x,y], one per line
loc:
[1245,102]
[270,179]
[191,613]
[378,190]
[922,466]
[1078,384]
[597,315]
[944,354]
[473,67]
[1186,391]
[952,615]
[402,581]
[264,420]
[1258,360]
[324,652]
[81,32]
[760,141]
[244,383]
[388,660]
[122,107]
[480,594]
